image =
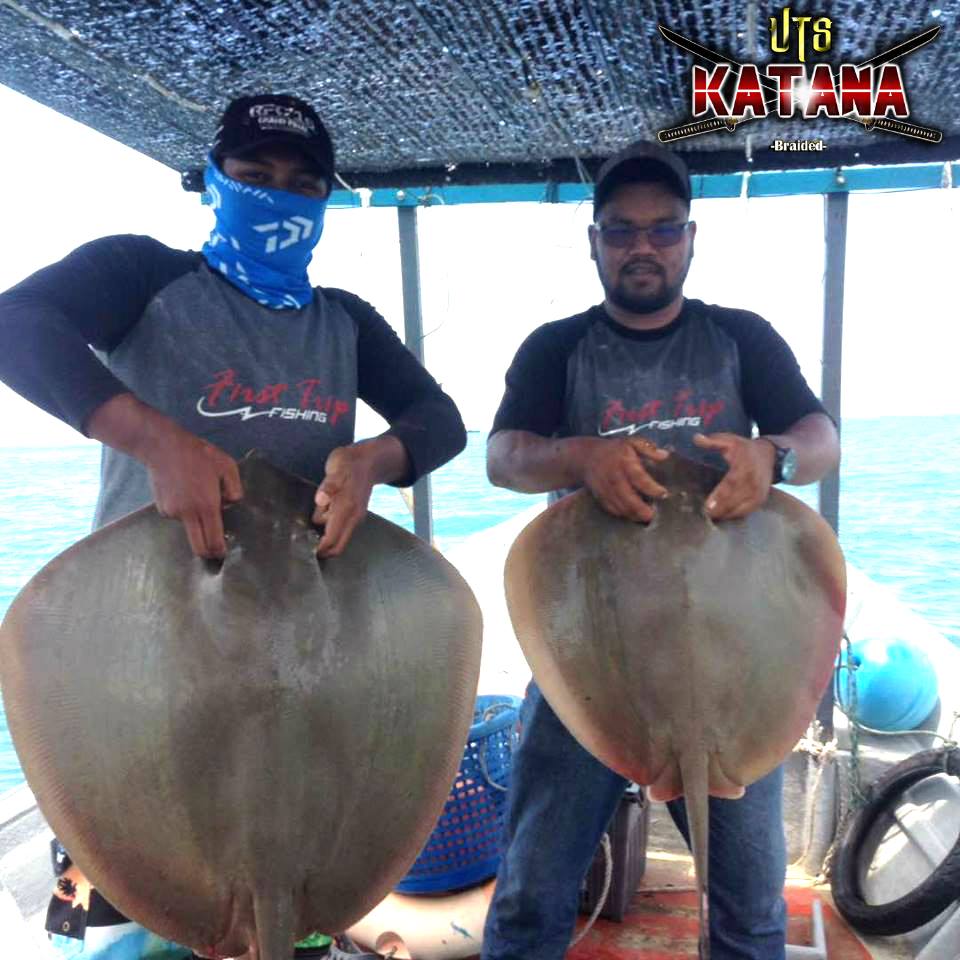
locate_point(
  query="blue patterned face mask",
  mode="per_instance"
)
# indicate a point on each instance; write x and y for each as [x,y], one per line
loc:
[263,239]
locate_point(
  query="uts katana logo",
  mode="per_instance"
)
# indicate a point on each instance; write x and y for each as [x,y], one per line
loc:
[871,93]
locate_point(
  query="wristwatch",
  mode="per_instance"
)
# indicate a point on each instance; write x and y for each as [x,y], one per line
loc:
[784,464]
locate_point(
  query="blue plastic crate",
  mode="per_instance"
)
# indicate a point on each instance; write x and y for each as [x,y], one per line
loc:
[464,848]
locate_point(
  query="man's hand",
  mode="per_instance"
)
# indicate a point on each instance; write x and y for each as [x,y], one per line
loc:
[191,481]
[747,483]
[342,498]
[615,474]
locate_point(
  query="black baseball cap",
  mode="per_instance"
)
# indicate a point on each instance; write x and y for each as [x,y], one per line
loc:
[249,123]
[641,162]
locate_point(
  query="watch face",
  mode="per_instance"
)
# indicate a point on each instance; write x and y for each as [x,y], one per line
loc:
[788,467]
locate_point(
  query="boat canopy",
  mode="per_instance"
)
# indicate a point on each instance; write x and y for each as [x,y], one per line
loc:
[522,98]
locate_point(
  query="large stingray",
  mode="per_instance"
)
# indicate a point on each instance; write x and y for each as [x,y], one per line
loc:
[685,654]
[240,756]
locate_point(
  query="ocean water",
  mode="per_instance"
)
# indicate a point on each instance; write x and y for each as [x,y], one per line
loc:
[899,514]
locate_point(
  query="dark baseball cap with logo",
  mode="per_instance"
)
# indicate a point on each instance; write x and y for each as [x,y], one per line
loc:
[249,123]
[641,162]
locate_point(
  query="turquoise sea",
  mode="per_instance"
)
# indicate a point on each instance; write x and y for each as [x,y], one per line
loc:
[899,514]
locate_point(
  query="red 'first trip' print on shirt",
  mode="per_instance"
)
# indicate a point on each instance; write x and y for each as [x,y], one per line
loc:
[303,400]
[684,411]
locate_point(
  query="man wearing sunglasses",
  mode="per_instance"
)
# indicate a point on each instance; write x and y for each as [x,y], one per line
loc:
[590,401]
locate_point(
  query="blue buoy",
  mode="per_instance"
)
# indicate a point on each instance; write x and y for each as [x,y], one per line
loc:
[896,683]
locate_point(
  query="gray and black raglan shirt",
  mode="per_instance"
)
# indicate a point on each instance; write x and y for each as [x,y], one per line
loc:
[238,374]
[711,370]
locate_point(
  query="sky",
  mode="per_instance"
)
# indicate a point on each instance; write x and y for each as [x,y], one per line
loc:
[491,273]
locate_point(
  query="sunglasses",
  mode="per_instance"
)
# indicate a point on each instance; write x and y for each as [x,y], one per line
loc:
[622,236]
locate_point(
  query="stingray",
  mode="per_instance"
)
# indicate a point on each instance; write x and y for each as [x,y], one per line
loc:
[686,655]
[241,754]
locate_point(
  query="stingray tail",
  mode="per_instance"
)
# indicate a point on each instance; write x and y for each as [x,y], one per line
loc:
[694,771]
[274,917]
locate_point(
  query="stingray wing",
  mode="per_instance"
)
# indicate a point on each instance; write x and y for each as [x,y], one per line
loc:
[684,654]
[243,753]
[652,640]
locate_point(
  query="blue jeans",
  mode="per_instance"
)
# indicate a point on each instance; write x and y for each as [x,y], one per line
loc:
[561,801]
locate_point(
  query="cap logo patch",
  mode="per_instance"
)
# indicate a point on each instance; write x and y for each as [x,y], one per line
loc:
[275,116]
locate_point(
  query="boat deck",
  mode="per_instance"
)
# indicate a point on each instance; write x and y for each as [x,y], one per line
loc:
[661,921]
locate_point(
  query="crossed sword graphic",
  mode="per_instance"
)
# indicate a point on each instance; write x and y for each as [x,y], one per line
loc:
[927,134]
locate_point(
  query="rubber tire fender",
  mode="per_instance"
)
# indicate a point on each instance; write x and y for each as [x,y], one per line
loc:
[924,902]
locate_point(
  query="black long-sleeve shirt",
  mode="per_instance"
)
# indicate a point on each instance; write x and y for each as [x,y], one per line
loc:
[239,374]
[710,370]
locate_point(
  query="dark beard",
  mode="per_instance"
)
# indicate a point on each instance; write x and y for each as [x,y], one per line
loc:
[643,303]
[635,303]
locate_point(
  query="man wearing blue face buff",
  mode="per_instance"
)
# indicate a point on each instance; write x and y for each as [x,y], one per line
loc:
[201,357]
[204,356]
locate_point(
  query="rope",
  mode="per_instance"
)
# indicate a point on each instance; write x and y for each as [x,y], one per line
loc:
[856,793]
[813,745]
[490,712]
[854,786]
[607,879]
[948,738]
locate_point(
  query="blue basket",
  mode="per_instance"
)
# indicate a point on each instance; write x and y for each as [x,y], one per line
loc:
[464,848]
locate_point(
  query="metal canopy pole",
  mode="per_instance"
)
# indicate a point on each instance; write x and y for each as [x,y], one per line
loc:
[835,234]
[835,238]
[413,337]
